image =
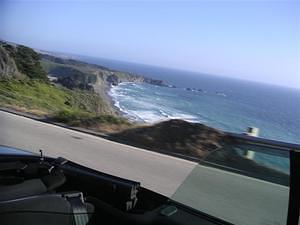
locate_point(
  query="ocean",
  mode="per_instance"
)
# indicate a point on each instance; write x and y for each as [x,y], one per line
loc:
[223,103]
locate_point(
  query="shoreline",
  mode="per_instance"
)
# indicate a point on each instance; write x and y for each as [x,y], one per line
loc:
[135,118]
[117,110]
[112,102]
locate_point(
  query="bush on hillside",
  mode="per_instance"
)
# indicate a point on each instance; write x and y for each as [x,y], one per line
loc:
[27,61]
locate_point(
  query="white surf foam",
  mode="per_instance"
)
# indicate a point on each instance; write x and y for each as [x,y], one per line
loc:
[144,109]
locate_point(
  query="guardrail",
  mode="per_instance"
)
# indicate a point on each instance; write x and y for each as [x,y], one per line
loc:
[279,145]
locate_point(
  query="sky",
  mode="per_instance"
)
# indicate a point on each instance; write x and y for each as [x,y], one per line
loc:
[253,40]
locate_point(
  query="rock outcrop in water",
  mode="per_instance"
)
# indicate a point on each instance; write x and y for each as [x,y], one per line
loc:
[155,82]
[112,80]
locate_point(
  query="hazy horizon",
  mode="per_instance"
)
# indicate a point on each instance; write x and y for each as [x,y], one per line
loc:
[79,57]
[257,41]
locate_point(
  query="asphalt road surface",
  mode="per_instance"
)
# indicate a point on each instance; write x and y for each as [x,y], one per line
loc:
[235,198]
[155,171]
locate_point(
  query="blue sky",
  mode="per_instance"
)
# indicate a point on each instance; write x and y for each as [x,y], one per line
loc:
[255,40]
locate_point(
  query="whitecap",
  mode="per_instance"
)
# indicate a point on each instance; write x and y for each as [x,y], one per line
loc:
[185,117]
[164,113]
[146,108]
[145,115]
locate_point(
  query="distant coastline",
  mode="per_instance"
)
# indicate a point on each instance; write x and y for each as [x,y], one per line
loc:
[225,104]
[78,97]
[215,92]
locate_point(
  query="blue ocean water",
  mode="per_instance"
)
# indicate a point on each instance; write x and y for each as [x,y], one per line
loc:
[224,103]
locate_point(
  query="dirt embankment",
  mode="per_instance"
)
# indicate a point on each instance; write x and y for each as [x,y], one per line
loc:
[210,146]
[177,136]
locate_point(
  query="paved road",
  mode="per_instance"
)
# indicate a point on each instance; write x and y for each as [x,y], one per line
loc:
[155,171]
[235,198]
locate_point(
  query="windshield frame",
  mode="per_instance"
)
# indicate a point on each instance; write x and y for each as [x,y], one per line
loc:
[293,150]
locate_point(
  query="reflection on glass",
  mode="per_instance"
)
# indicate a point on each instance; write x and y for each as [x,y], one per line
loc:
[243,184]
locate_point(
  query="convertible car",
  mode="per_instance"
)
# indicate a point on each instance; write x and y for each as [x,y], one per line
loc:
[40,190]
[36,190]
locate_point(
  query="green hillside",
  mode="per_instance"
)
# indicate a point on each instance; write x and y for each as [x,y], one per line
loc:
[49,99]
[24,86]
[26,60]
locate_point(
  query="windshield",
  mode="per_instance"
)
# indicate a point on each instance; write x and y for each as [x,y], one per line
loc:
[198,101]
[241,183]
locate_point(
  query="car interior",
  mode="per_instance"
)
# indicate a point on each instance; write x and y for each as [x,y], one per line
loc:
[41,190]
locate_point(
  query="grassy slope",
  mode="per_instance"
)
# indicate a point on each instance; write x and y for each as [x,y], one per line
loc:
[45,97]
[32,95]
[78,108]
[27,61]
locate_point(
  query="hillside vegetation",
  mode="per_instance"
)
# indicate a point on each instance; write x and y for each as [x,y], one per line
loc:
[48,99]
[24,86]
[205,144]
[76,74]
[25,59]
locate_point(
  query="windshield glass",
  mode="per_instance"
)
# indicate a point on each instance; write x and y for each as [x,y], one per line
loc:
[241,183]
[199,101]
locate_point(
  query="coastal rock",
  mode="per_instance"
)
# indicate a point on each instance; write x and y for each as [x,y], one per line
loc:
[155,82]
[112,80]
[72,83]
[8,68]
[76,74]
[18,61]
